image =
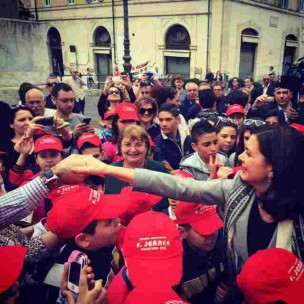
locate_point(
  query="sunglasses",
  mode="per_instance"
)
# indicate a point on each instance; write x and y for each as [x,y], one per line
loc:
[143,111]
[50,84]
[266,78]
[249,122]
[112,92]
[225,120]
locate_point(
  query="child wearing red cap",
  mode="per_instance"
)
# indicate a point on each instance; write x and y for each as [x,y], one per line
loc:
[153,251]
[48,151]
[90,144]
[202,259]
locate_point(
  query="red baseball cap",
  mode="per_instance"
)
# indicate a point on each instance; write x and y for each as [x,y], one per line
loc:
[202,218]
[272,275]
[76,209]
[155,296]
[48,142]
[109,148]
[108,114]
[298,127]
[3,153]
[138,202]
[11,263]
[153,250]
[182,173]
[127,111]
[91,138]
[236,108]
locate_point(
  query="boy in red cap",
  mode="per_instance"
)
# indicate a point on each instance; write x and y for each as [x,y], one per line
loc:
[153,252]
[107,126]
[236,113]
[273,275]
[88,222]
[202,259]
[48,151]
[90,144]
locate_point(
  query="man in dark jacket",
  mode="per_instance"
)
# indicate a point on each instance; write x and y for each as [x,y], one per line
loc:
[172,142]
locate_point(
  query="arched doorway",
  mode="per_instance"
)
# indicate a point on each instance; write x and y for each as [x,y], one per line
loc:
[290,49]
[102,53]
[55,49]
[177,53]
[249,43]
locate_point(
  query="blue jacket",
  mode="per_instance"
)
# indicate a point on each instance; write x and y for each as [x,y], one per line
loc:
[170,150]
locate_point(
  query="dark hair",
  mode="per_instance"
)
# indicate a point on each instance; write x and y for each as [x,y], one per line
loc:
[88,145]
[250,78]
[217,84]
[206,98]
[282,147]
[275,113]
[166,93]
[95,180]
[90,229]
[223,124]
[60,86]
[231,81]
[236,97]
[169,107]
[253,129]
[200,128]
[15,110]
[24,87]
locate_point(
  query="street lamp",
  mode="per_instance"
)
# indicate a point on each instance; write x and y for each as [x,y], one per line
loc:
[127,58]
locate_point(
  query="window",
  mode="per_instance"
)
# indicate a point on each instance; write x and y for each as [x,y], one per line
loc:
[178,38]
[102,37]
[47,2]
[301,8]
[69,2]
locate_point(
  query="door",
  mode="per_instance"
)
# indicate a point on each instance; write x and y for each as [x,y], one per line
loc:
[103,66]
[178,65]
[247,60]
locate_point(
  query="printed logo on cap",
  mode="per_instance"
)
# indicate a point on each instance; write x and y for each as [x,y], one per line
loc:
[296,271]
[85,136]
[156,243]
[201,209]
[94,197]
[128,109]
[48,140]
[174,302]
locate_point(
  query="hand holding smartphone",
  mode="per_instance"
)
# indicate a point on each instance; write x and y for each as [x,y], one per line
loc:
[77,261]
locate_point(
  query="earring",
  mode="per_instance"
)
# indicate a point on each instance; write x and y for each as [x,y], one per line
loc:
[269,179]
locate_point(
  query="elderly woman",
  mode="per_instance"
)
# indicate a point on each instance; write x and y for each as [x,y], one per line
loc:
[263,205]
[134,147]
[147,113]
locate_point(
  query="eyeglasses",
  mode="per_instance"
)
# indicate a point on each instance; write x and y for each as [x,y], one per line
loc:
[249,122]
[50,84]
[266,78]
[113,92]
[143,111]
[67,100]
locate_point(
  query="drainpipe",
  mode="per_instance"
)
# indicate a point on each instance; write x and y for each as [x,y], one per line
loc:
[208,33]
[36,11]
[114,31]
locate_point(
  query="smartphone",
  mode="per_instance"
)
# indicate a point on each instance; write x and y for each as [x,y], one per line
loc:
[149,74]
[116,78]
[86,120]
[47,121]
[75,267]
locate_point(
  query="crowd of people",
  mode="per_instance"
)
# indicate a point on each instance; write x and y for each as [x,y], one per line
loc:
[184,192]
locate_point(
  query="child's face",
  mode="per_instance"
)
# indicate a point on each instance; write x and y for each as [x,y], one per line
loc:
[203,242]
[47,159]
[108,123]
[206,146]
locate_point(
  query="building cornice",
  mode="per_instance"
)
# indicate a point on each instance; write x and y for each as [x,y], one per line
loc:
[269,7]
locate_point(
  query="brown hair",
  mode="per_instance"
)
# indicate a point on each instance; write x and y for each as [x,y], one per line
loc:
[134,132]
[147,100]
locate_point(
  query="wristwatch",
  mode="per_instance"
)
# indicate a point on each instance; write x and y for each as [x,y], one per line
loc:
[51,180]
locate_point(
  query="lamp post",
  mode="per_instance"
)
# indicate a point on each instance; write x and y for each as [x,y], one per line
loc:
[127,58]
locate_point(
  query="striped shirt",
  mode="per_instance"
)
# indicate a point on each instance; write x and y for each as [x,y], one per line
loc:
[19,203]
